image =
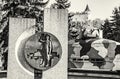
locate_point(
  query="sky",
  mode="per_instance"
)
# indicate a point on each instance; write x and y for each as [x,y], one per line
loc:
[99,8]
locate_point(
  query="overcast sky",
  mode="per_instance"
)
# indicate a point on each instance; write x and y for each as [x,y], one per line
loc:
[99,8]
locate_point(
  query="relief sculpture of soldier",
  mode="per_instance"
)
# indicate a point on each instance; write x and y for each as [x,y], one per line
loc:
[42,51]
[46,48]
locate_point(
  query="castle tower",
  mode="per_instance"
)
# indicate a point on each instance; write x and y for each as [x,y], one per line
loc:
[87,10]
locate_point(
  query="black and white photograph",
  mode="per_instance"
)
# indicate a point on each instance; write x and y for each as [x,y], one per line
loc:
[59,39]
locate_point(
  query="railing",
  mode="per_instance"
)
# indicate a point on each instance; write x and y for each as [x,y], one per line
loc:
[3,74]
[92,74]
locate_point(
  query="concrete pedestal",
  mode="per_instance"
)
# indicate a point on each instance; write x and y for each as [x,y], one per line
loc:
[16,27]
[56,23]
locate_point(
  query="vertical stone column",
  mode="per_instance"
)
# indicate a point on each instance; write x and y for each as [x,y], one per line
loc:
[100,33]
[56,23]
[16,27]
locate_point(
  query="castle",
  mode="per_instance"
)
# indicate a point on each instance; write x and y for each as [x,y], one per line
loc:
[83,16]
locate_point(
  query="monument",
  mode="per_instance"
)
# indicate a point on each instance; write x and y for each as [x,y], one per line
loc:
[16,27]
[25,56]
[56,23]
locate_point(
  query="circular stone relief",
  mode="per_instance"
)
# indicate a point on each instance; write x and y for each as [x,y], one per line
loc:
[39,51]
[42,51]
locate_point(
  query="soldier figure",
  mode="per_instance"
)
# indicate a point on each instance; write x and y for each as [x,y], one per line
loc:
[46,48]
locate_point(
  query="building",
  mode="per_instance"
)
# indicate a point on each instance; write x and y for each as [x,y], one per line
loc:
[81,16]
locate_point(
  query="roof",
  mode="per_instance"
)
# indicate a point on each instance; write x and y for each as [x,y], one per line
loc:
[87,8]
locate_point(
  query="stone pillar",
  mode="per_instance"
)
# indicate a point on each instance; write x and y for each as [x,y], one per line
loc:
[56,23]
[16,27]
[100,33]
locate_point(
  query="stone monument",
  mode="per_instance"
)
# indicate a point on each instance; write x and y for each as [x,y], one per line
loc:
[16,27]
[20,66]
[56,23]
